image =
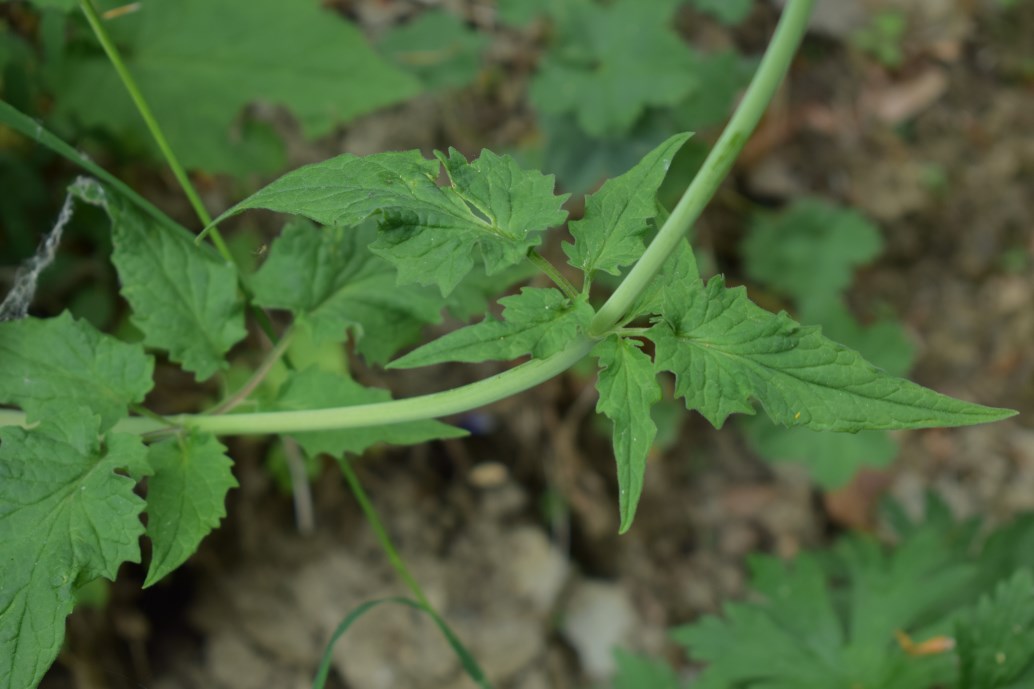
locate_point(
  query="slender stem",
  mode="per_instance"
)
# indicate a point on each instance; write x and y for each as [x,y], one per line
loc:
[398,564]
[258,376]
[304,514]
[771,71]
[430,406]
[374,519]
[552,273]
[97,24]
[33,130]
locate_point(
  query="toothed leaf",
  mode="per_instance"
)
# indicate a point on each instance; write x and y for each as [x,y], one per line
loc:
[538,321]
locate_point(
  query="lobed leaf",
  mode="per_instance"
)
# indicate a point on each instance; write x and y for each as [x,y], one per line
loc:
[329,280]
[538,321]
[588,72]
[830,619]
[610,234]
[996,637]
[314,388]
[639,672]
[68,515]
[184,298]
[810,249]
[429,233]
[186,498]
[725,351]
[628,388]
[64,359]
[499,208]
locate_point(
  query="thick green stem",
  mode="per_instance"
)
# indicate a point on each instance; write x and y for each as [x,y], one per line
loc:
[431,406]
[771,71]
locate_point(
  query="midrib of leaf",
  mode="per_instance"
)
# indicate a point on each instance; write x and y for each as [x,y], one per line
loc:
[493,227]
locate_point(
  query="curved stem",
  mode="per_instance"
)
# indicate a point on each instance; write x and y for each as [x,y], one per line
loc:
[431,406]
[771,71]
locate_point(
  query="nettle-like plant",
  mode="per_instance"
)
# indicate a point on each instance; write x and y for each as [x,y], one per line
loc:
[390,249]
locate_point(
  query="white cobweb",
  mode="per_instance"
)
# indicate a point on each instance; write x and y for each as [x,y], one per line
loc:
[16,303]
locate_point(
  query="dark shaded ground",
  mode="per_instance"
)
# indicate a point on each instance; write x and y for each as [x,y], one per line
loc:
[513,532]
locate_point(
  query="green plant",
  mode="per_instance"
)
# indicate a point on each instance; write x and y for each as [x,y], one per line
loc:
[941,608]
[72,457]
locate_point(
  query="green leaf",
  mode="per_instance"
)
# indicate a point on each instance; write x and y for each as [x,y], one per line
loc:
[809,249]
[200,63]
[678,273]
[65,359]
[184,297]
[639,672]
[504,210]
[329,280]
[610,234]
[829,620]
[832,459]
[792,639]
[478,289]
[438,48]
[538,321]
[185,498]
[588,71]
[347,189]
[726,11]
[995,639]
[429,233]
[314,388]
[628,388]
[68,515]
[725,350]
